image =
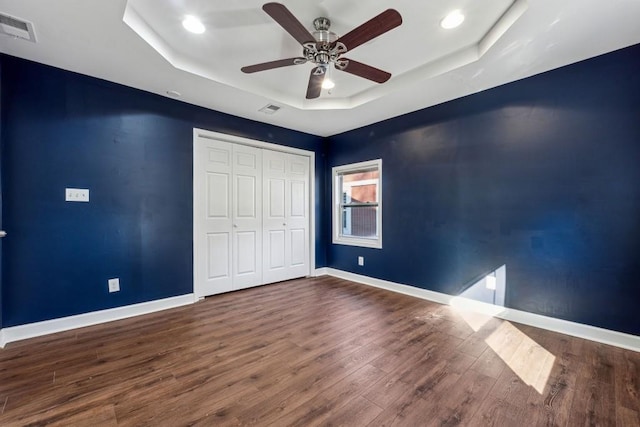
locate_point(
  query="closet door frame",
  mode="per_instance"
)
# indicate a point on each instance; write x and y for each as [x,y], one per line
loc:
[201,134]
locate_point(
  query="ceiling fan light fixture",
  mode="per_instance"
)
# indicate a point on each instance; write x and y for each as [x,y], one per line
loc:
[452,20]
[327,83]
[193,24]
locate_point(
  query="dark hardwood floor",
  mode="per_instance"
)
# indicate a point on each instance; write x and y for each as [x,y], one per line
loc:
[316,352]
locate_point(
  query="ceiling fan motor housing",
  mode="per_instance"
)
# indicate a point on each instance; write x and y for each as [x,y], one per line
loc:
[324,50]
[322,33]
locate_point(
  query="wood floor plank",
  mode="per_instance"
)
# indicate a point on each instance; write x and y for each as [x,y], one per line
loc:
[359,412]
[321,351]
[474,345]
[594,397]
[593,403]
[464,399]
[489,363]
[627,417]
[505,340]
[102,415]
[627,379]
[327,402]
[497,412]
[510,388]
[553,405]
[387,390]
[409,410]
[189,408]
[66,400]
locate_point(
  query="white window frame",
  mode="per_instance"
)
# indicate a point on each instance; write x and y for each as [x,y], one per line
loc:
[338,237]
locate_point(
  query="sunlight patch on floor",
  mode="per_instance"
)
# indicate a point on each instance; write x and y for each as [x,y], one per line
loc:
[482,305]
[475,313]
[528,359]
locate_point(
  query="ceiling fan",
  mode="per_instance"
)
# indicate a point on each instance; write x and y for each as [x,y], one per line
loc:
[324,48]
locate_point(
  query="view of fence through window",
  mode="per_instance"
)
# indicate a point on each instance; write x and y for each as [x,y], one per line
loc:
[359,204]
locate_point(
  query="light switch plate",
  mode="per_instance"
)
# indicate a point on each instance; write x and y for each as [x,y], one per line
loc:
[361,260]
[76,195]
[114,285]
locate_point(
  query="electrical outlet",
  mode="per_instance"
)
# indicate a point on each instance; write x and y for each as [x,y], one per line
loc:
[490,282]
[114,285]
[76,195]
[360,260]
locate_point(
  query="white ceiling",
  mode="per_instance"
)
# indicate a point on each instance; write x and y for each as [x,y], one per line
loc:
[429,65]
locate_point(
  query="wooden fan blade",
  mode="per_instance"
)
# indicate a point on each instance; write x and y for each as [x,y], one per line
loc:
[387,20]
[273,64]
[315,83]
[365,71]
[290,23]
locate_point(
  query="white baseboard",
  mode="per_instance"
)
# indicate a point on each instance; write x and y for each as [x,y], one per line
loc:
[31,330]
[322,271]
[592,333]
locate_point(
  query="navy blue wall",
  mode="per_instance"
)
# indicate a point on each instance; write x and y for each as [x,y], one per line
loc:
[542,175]
[1,145]
[133,150]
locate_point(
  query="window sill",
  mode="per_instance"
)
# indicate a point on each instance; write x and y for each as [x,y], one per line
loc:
[363,243]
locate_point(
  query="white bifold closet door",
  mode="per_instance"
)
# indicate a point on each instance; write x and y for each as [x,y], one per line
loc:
[286,216]
[231,239]
[251,216]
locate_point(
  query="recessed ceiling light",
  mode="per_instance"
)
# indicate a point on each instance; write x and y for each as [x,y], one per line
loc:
[193,24]
[174,93]
[452,20]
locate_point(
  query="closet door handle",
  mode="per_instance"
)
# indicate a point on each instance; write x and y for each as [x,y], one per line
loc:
[284,224]
[235,225]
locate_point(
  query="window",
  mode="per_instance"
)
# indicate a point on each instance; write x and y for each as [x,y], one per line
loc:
[357,204]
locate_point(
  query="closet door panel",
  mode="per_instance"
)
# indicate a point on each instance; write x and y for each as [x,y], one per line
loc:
[246,197]
[274,222]
[247,216]
[286,220]
[218,255]
[276,198]
[298,247]
[298,215]
[245,245]
[218,195]
[275,255]
[213,218]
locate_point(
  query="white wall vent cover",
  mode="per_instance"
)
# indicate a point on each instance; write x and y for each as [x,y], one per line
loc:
[16,27]
[269,109]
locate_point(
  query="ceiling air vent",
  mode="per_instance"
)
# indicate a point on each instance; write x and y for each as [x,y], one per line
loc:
[269,109]
[18,28]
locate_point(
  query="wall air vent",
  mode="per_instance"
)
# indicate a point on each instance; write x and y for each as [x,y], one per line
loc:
[18,28]
[269,109]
